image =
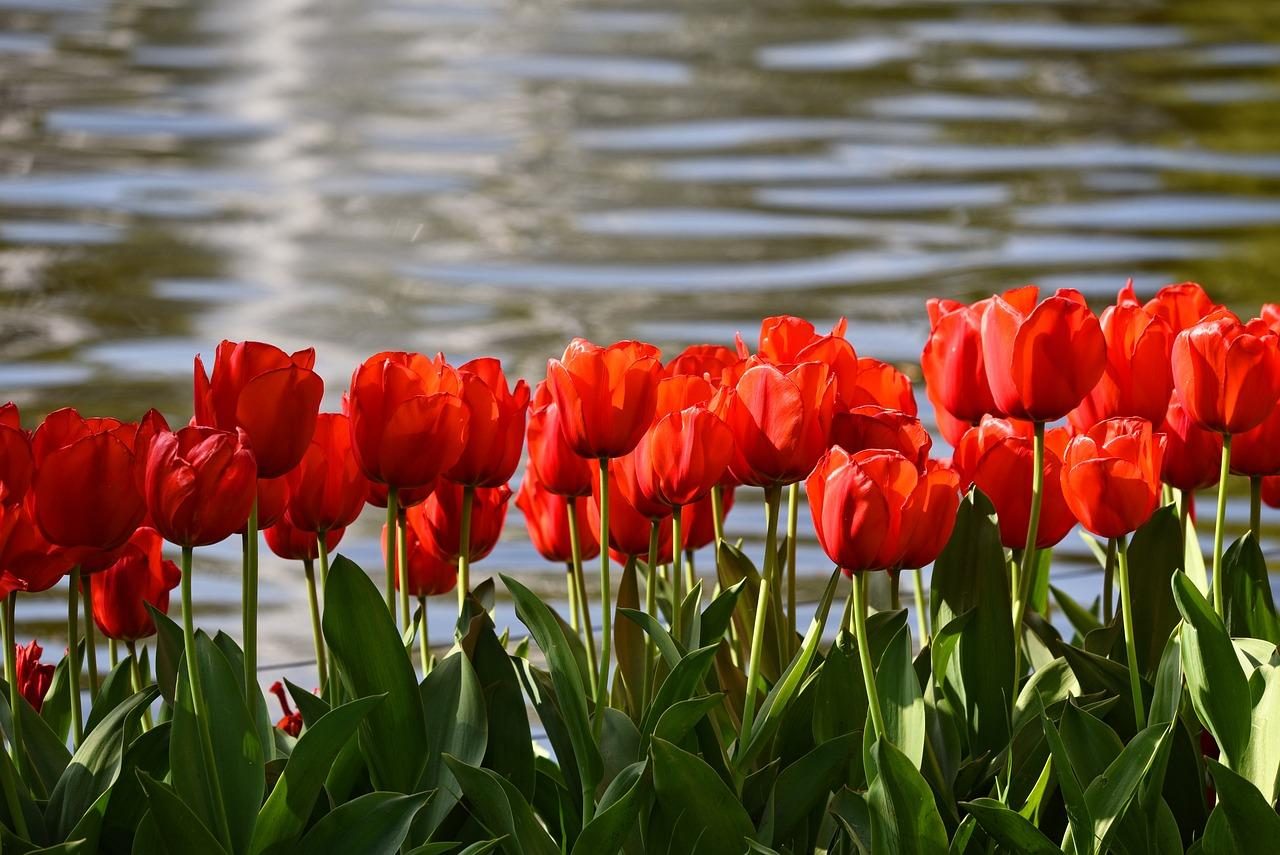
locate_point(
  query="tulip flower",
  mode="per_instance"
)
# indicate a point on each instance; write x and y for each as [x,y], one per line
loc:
[376,494]
[28,562]
[140,576]
[782,338]
[872,426]
[606,395]
[33,676]
[295,544]
[781,422]
[435,521]
[496,425]
[1180,306]
[880,384]
[291,722]
[683,456]
[1137,380]
[955,371]
[1192,454]
[1256,454]
[629,528]
[711,361]
[547,520]
[1111,480]
[17,463]
[1271,491]
[272,498]
[327,489]
[559,468]
[200,484]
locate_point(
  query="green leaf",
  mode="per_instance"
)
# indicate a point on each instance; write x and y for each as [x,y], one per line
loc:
[1073,798]
[181,831]
[367,648]
[840,706]
[686,679]
[1261,760]
[1010,829]
[47,753]
[373,824]
[629,642]
[901,700]
[619,810]
[502,810]
[805,785]
[456,725]
[1049,685]
[1111,793]
[1083,621]
[1155,555]
[509,751]
[904,816]
[717,616]
[253,699]
[1250,819]
[115,689]
[1216,684]
[662,639]
[168,653]
[1249,606]
[1168,693]
[696,811]
[56,709]
[283,818]
[675,723]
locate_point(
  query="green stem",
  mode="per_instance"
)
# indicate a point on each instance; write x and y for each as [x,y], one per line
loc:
[135,672]
[606,604]
[1255,507]
[651,608]
[690,571]
[717,515]
[113,653]
[424,639]
[10,641]
[922,613]
[73,648]
[772,504]
[1108,582]
[322,549]
[1220,523]
[793,519]
[464,548]
[571,589]
[390,549]
[251,607]
[1024,568]
[846,619]
[317,637]
[677,557]
[895,589]
[402,561]
[90,636]
[1130,646]
[580,583]
[864,654]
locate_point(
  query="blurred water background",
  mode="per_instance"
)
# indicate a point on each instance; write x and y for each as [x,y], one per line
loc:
[495,176]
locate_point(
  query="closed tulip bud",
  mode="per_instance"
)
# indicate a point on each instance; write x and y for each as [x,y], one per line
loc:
[140,576]
[871,426]
[431,573]
[34,676]
[559,468]
[399,406]
[546,517]
[625,481]
[327,489]
[437,521]
[629,527]
[780,421]
[882,385]
[1041,359]
[1137,380]
[294,544]
[852,388]
[711,361]
[1192,456]
[697,521]
[998,457]
[606,396]
[201,484]
[1227,373]
[1111,476]
[930,515]
[17,463]
[271,395]
[495,428]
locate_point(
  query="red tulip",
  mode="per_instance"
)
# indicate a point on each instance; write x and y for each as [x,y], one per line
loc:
[871,426]
[327,490]
[951,428]
[625,481]
[869,507]
[606,395]
[1111,476]
[546,516]
[1137,380]
[86,492]
[697,521]
[782,338]
[1256,452]
[998,457]
[683,456]
[882,385]
[711,361]
[1192,455]
[929,516]
[430,574]
[28,562]
[273,500]
[17,464]
[1227,373]
[852,388]
[401,405]
[1180,306]
[559,469]
[34,676]
[438,521]
[271,395]
[141,575]
[1041,359]
[293,544]
[781,421]
[291,722]
[629,527]
[1271,491]
[955,371]
[495,429]
[406,497]
[201,484]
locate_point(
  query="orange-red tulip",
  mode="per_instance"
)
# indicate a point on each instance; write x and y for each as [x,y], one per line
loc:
[273,499]
[929,516]
[784,337]
[871,426]
[495,429]
[140,576]
[882,385]
[291,722]
[438,521]
[293,544]
[998,457]
[1227,372]
[28,562]
[201,483]
[17,464]
[546,516]
[712,361]
[327,490]
[1041,359]
[34,676]
[406,497]
[955,371]
[1256,452]
[606,395]
[430,574]
[629,527]
[1192,455]
[1271,491]
[625,481]
[1180,306]
[1111,476]
[271,395]
[408,423]
[559,469]
[1137,380]
[780,420]
[683,456]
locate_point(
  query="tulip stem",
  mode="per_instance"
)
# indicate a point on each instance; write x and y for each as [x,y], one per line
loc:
[90,635]
[15,693]
[572,590]
[402,561]
[1025,568]
[651,608]
[690,570]
[317,637]
[1130,646]
[895,589]
[197,690]
[922,613]
[390,556]
[864,654]
[717,517]
[135,672]
[1219,524]
[251,607]
[846,619]
[793,519]
[424,639]
[1108,578]
[580,583]
[73,651]
[1255,507]
[322,549]
[772,504]
[464,548]
[606,604]
[677,557]
[113,653]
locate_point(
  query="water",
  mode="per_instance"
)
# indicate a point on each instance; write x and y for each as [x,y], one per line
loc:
[489,177]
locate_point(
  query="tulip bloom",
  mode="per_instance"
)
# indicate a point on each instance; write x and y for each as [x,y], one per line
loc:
[955,371]
[780,421]
[401,405]
[712,361]
[327,490]
[998,457]
[1137,380]
[1042,360]
[17,463]
[376,495]
[28,562]
[291,722]
[273,500]
[1111,476]
[140,576]
[1192,456]
[1180,306]
[929,516]
[201,484]
[606,395]
[271,395]
[1227,372]
[495,428]
[871,426]
[1256,452]
[430,574]
[683,456]
[34,676]
[783,337]
[558,467]
[629,528]
[882,385]
[1271,491]
[435,521]
[294,544]
[547,520]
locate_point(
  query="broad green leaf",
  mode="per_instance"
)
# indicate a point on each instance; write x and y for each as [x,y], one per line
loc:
[1048,686]
[115,689]
[619,810]
[666,645]
[181,831]
[680,718]
[56,709]
[684,681]
[509,750]
[1010,829]
[716,617]
[453,703]
[901,700]
[168,641]
[253,698]
[629,642]
[1112,792]
[1155,555]
[696,811]
[366,646]
[1168,693]
[1261,760]
[1251,821]
[840,706]
[1193,557]
[1083,621]
[502,810]
[904,816]
[1251,611]
[1072,789]
[805,785]
[47,754]
[373,824]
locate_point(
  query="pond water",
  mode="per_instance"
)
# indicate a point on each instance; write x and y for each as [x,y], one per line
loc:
[494,177]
